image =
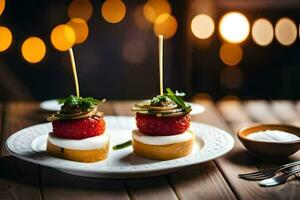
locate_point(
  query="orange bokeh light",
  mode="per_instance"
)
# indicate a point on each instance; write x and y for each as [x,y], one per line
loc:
[154,8]
[33,49]
[113,11]
[5,38]
[165,25]
[2,6]
[80,9]
[81,29]
[231,54]
[63,37]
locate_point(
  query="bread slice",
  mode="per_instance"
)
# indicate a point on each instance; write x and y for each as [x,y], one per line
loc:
[86,156]
[163,152]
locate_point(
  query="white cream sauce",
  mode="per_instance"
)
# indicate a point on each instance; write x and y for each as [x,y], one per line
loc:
[91,143]
[273,136]
[162,140]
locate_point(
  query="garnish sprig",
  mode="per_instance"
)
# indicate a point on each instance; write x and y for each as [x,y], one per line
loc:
[74,107]
[176,97]
[84,104]
[123,145]
[160,98]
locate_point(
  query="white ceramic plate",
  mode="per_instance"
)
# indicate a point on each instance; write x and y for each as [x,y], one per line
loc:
[53,105]
[50,105]
[196,108]
[30,143]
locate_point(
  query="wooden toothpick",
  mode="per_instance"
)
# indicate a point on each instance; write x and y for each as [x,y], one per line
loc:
[161,67]
[74,71]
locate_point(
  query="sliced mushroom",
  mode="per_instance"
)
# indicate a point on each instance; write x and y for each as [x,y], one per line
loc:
[81,115]
[169,107]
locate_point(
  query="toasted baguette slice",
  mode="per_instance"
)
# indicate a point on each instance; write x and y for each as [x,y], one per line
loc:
[86,156]
[163,152]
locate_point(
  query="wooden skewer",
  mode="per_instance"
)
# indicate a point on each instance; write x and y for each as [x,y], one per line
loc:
[161,69]
[74,71]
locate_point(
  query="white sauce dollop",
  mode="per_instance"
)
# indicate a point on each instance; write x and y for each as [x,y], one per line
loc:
[161,140]
[273,136]
[91,143]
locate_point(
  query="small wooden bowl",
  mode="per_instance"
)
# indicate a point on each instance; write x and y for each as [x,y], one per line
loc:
[270,149]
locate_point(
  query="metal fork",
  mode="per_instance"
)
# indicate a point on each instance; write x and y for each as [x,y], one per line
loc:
[268,173]
[278,179]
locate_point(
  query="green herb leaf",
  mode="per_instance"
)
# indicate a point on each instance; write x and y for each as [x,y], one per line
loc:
[179,94]
[84,104]
[156,100]
[61,100]
[178,100]
[123,145]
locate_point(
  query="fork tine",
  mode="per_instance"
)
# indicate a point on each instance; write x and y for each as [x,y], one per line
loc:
[257,172]
[257,177]
[267,173]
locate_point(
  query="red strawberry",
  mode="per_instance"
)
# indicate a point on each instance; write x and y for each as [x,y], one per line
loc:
[79,128]
[162,126]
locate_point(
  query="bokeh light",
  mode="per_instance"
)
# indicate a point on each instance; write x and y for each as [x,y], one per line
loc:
[231,98]
[63,37]
[286,31]
[135,51]
[231,78]
[202,26]
[33,49]
[81,29]
[154,8]
[5,38]
[231,54]
[234,27]
[262,32]
[165,25]
[2,6]
[140,20]
[113,11]
[80,9]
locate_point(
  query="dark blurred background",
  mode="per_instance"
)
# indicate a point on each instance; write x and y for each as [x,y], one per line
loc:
[120,60]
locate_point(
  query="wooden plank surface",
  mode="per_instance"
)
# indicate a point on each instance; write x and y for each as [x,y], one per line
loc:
[22,180]
[203,181]
[196,182]
[18,179]
[240,161]
[57,185]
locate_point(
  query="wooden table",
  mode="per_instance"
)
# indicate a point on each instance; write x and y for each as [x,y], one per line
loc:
[212,180]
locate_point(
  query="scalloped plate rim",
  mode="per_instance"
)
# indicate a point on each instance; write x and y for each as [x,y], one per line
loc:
[165,166]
